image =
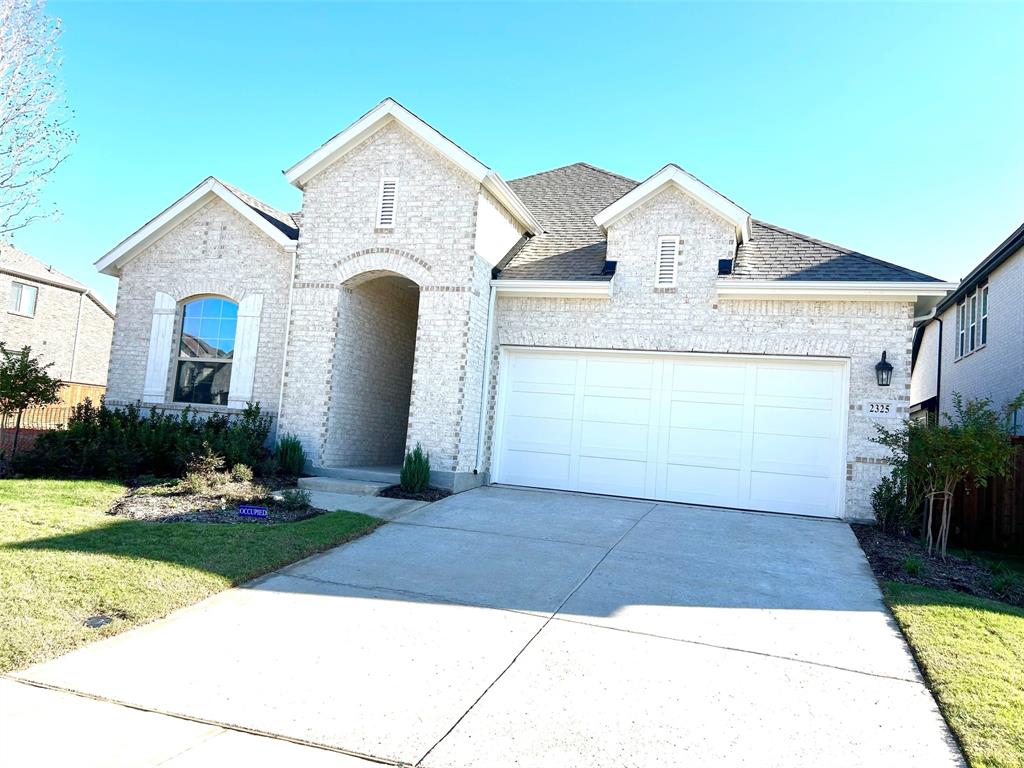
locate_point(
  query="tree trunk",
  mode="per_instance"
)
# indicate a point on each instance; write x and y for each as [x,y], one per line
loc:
[17,430]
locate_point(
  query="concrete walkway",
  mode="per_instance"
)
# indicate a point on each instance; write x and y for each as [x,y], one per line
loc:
[506,627]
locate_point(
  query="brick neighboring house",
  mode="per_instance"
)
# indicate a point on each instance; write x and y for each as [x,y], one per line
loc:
[60,318]
[973,344]
[574,329]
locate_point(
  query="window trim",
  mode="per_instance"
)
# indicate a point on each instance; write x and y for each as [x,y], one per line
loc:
[663,240]
[19,288]
[379,221]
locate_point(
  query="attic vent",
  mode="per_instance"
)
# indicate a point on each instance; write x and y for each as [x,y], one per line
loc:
[668,256]
[386,203]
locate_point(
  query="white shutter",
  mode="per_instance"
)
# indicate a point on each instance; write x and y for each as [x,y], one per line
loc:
[386,203]
[668,256]
[160,334]
[247,341]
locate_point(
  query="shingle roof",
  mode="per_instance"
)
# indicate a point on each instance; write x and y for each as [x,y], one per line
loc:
[283,221]
[572,247]
[774,253]
[20,264]
[565,201]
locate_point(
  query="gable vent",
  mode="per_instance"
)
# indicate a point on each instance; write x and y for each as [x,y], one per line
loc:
[386,203]
[668,256]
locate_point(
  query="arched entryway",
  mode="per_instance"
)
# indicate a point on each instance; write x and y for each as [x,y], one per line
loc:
[372,372]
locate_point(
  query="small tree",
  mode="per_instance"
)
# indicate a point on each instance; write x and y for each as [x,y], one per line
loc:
[415,475]
[24,383]
[932,457]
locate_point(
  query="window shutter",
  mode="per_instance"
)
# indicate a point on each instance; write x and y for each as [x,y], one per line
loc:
[247,339]
[668,256]
[159,360]
[386,203]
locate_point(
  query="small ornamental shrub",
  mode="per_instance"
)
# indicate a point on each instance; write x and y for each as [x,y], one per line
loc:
[889,502]
[195,483]
[295,499]
[912,565]
[415,474]
[291,458]
[241,473]
[126,442]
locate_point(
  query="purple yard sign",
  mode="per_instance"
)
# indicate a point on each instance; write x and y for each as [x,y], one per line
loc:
[246,510]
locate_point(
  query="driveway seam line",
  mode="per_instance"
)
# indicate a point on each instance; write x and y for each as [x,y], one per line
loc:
[763,654]
[204,721]
[522,650]
[497,533]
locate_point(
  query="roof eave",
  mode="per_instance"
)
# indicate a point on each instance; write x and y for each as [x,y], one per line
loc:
[1002,253]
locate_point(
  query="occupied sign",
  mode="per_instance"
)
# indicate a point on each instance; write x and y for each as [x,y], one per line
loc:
[247,510]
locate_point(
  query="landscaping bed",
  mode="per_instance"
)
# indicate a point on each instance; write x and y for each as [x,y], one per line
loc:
[427,494]
[905,560]
[173,501]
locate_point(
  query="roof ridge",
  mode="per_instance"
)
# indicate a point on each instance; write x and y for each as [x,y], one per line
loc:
[606,172]
[843,250]
[577,164]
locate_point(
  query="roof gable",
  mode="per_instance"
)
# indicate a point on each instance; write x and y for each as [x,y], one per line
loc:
[278,226]
[19,264]
[673,175]
[390,111]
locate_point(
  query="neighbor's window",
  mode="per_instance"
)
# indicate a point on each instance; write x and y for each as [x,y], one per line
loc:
[972,337]
[972,322]
[205,351]
[984,315]
[961,329]
[23,299]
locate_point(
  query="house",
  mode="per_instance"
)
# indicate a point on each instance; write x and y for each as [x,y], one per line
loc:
[63,321]
[973,342]
[573,329]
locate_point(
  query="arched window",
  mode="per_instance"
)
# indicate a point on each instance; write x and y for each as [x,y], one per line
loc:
[205,352]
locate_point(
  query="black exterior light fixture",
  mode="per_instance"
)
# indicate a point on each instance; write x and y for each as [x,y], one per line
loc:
[883,372]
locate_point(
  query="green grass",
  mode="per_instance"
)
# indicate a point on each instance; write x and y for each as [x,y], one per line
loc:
[972,652]
[62,560]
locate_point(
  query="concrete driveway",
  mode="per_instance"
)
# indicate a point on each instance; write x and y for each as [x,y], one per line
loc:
[511,627]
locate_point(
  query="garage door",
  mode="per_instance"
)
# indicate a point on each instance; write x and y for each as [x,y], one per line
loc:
[745,432]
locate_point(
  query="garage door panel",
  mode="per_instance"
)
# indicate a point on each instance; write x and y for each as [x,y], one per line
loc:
[721,378]
[740,432]
[622,409]
[615,476]
[721,417]
[687,445]
[797,422]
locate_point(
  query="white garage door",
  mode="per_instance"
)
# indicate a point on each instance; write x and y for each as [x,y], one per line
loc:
[745,432]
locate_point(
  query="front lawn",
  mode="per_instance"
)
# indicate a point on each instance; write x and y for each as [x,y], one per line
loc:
[972,652]
[63,560]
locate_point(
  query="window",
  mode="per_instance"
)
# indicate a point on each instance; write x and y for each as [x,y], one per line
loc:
[23,299]
[386,203]
[205,351]
[668,257]
[984,315]
[972,322]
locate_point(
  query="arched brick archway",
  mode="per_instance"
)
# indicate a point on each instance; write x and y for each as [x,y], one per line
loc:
[362,265]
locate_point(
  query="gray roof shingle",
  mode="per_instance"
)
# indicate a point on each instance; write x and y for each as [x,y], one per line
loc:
[283,221]
[572,247]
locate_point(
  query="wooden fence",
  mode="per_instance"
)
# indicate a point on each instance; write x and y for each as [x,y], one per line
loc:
[991,517]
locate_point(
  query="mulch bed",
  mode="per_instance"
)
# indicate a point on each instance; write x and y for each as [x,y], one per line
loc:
[888,554]
[427,494]
[170,504]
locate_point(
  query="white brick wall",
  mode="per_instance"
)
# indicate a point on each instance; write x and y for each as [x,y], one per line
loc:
[692,319]
[215,251]
[995,371]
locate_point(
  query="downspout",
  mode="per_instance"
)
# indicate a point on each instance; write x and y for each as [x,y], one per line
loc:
[485,384]
[78,328]
[938,372]
[284,354]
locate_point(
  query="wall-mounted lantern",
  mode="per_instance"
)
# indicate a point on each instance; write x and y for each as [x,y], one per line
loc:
[883,372]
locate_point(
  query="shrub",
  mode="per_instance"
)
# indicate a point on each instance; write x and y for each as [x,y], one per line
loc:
[122,443]
[912,565]
[295,498]
[195,483]
[415,474]
[889,501]
[241,473]
[291,458]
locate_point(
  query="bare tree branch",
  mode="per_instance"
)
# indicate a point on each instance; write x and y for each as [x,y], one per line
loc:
[34,116]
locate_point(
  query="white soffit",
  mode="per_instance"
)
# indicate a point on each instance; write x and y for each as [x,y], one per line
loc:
[924,294]
[673,175]
[388,111]
[155,228]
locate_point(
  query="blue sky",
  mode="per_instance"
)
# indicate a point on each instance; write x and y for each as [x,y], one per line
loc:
[895,130]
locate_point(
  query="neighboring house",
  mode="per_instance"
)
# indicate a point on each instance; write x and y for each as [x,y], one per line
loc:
[973,344]
[63,321]
[573,329]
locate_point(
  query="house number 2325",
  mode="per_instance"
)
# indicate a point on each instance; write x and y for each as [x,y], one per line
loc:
[879,407]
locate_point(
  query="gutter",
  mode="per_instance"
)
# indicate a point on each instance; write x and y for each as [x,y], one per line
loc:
[485,384]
